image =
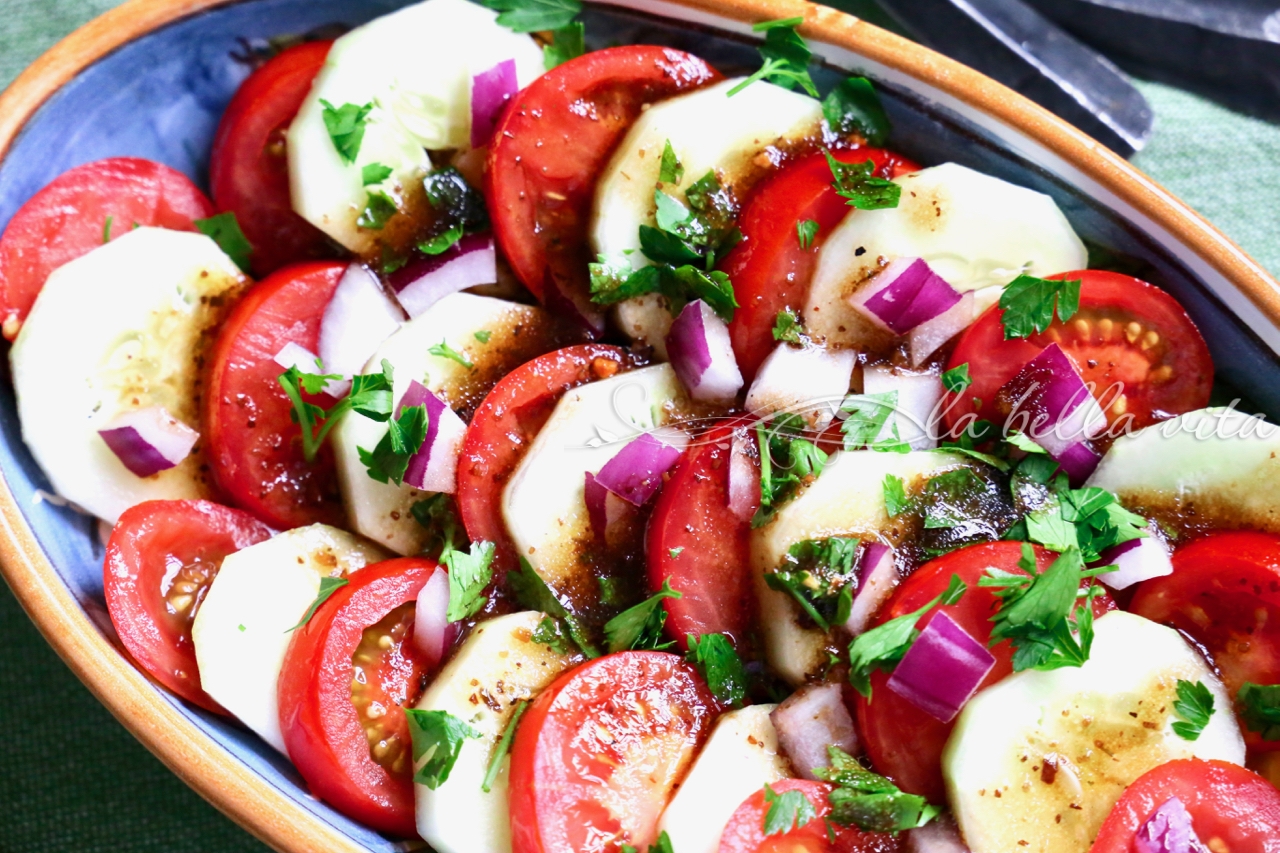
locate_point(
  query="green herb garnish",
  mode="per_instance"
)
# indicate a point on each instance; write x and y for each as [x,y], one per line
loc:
[224,230]
[345,125]
[1029,303]
[438,737]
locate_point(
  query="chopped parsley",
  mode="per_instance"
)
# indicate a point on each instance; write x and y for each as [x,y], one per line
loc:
[787,461]
[670,171]
[532,593]
[1090,519]
[1260,708]
[378,210]
[106,230]
[865,417]
[438,514]
[469,576]
[443,350]
[956,380]
[552,634]
[819,574]
[567,42]
[438,737]
[455,201]
[370,396]
[895,496]
[883,646]
[389,459]
[868,801]
[714,656]
[640,627]
[786,57]
[787,327]
[224,230]
[503,747]
[663,845]
[442,242]
[1195,706]
[328,586]
[374,173]
[806,231]
[483,336]
[528,16]
[787,811]
[858,183]
[345,125]
[1029,303]
[854,107]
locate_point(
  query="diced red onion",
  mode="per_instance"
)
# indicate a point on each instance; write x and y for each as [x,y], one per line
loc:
[572,305]
[432,632]
[359,318]
[810,720]
[929,336]
[744,481]
[1138,559]
[295,355]
[434,467]
[808,381]
[701,354]
[903,295]
[942,670]
[1168,830]
[604,508]
[937,836]
[918,396]
[877,579]
[1078,461]
[635,473]
[490,91]
[470,262]
[148,441]
[1051,404]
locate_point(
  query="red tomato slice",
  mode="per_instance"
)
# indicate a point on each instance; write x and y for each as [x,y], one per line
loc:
[1225,594]
[1126,332]
[68,218]
[769,269]
[694,541]
[249,170]
[345,730]
[744,833]
[507,422]
[599,752]
[551,143]
[161,558]
[255,449]
[903,742]
[1233,810]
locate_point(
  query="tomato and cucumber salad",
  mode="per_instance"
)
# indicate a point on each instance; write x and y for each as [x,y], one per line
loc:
[621,456]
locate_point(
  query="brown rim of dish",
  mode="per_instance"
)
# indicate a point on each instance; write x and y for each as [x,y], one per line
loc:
[255,804]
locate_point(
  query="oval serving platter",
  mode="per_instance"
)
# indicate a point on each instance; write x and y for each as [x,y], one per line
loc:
[151,79]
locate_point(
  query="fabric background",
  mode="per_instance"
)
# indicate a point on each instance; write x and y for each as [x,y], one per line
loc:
[82,783]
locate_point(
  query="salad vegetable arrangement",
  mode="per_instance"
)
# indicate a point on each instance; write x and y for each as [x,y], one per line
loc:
[609,454]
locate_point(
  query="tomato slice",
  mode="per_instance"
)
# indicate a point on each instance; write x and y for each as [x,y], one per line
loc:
[507,422]
[1232,809]
[769,269]
[1127,333]
[694,541]
[69,218]
[744,833]
[255,449]
[249,169]
[903,742]
[348,675]
[1225,594]
[161,558]
[599,752]
[552,142]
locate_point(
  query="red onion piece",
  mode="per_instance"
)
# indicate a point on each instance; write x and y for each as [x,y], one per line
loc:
[434,467]
[359,318]
[942,669]
[938,836]
[635,473]
[573,306]
[1078,461]
[604,508]
[431,628]
[903,295]
[929,336]
[1138,559]
[295,355]
[877,579]
[810,720]
[744,481]
[490,91]
[701,354]
[1168,830]
[1051,404]
[423,282]
[148,441]
[808,381]
[918,396]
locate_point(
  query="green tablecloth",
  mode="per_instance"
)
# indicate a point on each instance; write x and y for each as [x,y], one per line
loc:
[82,783]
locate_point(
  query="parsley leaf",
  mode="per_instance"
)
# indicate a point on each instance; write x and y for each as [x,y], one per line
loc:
[224,230]
[1260,708]
[714,656]
[455,201]
[956,380]
[503,746]
[443,350]
[806,231]
[328,586]
[670,171]
[438,737]
[640,627]
[483,336]
[663,845]
[370,396]
[106,230]
[345,125]
[786,57]
[389,459]
[469,575]
[858,183]
[853,106]
[374,173]
[528,16]
[883,646]
[551,633]
[532,593]
[787,327]
[865,418]
[442,242]
[895,496]
[378,210]
[1195,706]
[786,462]
[613,282]
[788,810]
[819,575]
[1091,519]
[439,515]
[868,801]
[567,42]
[1028,304]
[675,552]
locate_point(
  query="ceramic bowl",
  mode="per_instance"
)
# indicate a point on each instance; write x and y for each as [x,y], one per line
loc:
[151,79]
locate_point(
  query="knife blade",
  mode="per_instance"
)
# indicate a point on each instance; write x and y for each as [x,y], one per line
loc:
[1016,45]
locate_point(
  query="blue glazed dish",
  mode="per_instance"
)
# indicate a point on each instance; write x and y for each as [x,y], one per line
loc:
[160,95]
